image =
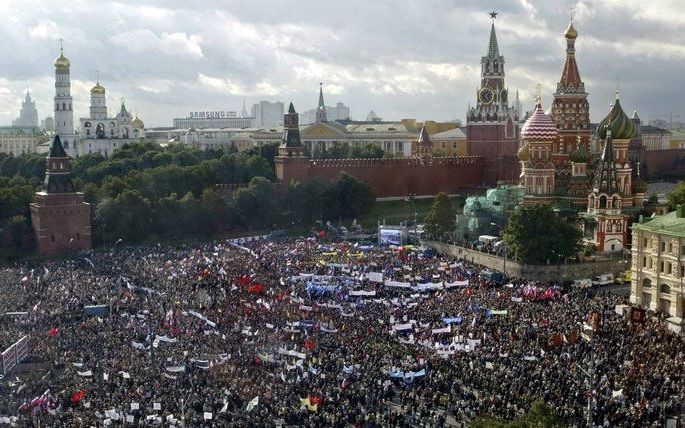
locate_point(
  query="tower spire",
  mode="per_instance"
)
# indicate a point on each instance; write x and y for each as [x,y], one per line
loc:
[493,48]
[321,115]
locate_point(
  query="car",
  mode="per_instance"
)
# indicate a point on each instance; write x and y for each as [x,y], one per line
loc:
[582,283]
[624,278]
[606,279]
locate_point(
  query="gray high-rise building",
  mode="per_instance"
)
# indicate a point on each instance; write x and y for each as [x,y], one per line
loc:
[267,114]
[28,116]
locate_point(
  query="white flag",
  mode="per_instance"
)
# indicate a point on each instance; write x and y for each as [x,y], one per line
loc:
[253,403]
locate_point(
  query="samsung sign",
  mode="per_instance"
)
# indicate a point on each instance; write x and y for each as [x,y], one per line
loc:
[211,114]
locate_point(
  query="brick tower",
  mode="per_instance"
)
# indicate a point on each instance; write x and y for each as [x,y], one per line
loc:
[492,129]
[571,113]
[61,220]
[291,162]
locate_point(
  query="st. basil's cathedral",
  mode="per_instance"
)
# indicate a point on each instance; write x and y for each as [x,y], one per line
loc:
[557,166]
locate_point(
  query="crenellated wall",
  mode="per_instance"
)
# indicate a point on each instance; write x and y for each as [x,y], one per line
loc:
[392,177]
[664,163]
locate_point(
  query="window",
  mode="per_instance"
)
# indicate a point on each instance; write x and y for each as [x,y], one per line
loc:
[665,288]
[663,247]
[52,237]
[661,267]
[670,267]
[644,262]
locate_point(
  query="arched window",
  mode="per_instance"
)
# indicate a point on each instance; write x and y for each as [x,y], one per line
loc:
[603,201]
[64,106]
[614,202]
[664,288]
[646,283]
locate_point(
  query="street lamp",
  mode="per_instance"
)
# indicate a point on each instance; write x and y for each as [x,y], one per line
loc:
[504,254]
[114,247]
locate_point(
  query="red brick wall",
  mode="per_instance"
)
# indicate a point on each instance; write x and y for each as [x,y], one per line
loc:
[59,218]
[664,163]
[398,177]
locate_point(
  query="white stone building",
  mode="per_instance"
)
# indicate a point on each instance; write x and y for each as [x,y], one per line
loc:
[658,265]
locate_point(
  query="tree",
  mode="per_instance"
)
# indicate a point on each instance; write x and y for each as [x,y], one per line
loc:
[535,235]
[677,196]
[540,415]
[349,198]
[18,228]
[440,218]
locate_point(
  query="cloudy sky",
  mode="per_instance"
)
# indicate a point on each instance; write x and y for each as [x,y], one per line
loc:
[400,58]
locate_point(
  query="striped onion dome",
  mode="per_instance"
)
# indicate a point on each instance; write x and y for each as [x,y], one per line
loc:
[539,126]
[524,153]
[622,127]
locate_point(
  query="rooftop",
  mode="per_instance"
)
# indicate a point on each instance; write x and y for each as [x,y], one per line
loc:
[450,134]
[667,224]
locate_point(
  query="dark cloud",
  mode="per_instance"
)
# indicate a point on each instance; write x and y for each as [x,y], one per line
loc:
[401,59]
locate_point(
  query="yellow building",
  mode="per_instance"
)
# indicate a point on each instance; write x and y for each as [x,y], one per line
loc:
[658,265]
[448,143]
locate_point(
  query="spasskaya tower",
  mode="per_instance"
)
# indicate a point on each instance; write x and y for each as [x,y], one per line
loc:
[492,129]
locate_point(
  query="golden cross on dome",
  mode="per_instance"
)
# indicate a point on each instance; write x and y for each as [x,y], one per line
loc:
[493,15]
[61,45]
[97,77]
[539,87]
[571,10]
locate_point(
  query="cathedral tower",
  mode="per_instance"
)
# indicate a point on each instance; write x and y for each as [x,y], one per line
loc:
[570,111]
[64,110]
[538,135]
[61,220]
[98,102]
[492,126]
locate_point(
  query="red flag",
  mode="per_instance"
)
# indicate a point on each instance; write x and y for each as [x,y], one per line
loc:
[243,280]
[314,400]
[321,234]
[53,332]
[77,396]
[309,344]
[256,288]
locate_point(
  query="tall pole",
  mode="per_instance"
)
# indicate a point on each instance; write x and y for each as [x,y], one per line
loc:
[591,381]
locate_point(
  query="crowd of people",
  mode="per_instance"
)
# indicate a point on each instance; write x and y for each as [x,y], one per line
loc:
[306,333]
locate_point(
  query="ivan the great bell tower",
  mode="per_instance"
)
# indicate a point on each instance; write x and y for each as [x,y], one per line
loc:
[492,129]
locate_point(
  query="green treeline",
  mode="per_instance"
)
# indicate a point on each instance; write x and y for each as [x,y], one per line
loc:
[144,191]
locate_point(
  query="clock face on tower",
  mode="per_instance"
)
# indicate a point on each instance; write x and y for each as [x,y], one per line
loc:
[486,95]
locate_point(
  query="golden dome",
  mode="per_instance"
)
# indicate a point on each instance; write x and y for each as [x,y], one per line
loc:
[571,32]
[62,62]
[97,89]
[137,123]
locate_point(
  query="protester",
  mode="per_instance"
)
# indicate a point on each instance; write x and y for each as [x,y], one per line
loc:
[300,333]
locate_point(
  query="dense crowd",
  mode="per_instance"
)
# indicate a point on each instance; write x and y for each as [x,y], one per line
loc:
[299,333]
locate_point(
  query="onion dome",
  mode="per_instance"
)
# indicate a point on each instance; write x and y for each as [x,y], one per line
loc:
[571,32]
[137,123]
[97,89]
[524,153]
[580,154]
[622,127]
[539,126]
[62,62]
[639,184]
